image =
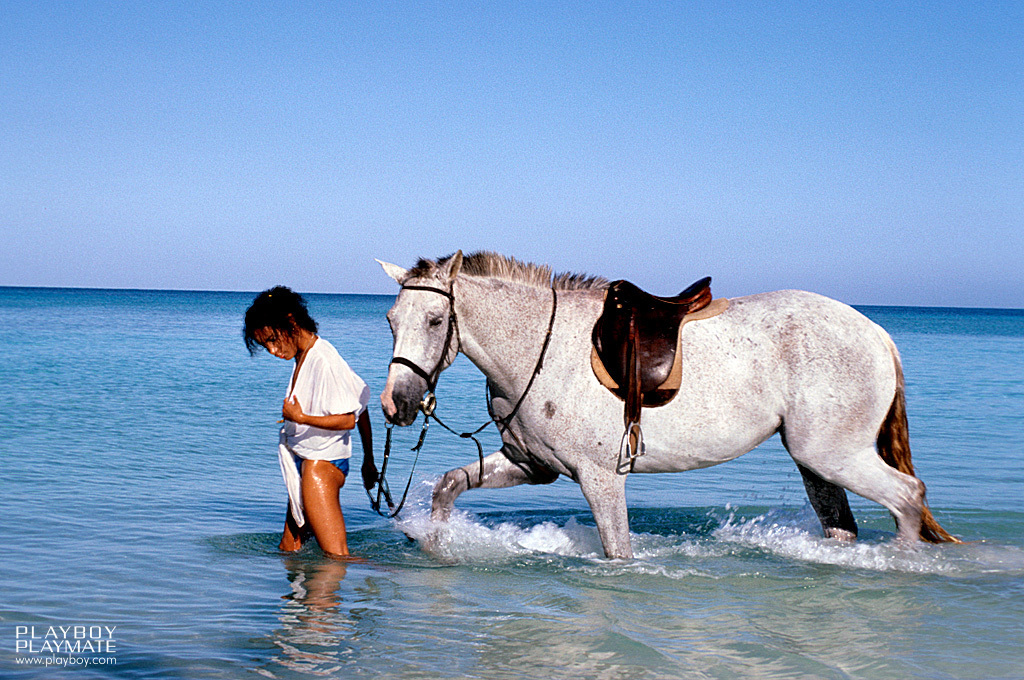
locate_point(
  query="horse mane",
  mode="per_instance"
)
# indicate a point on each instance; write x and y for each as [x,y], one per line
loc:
[487,264]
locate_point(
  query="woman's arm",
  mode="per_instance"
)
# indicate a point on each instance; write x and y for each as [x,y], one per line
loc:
[292,410]
[369,469]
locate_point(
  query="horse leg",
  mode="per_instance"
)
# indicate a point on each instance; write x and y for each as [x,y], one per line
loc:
[498,473]
[831,505]
[605,491]
[866,474]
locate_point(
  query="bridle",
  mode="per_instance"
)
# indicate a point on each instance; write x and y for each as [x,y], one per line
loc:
[453,328]
[429,403]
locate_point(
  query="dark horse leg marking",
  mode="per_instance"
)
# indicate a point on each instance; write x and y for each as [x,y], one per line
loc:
[831,505]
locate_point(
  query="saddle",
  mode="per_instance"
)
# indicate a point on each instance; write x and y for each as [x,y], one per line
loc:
[635,343]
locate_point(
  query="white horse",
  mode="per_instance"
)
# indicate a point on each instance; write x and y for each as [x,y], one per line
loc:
[816,371]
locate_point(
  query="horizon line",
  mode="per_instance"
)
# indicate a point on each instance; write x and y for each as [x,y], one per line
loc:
[247,292]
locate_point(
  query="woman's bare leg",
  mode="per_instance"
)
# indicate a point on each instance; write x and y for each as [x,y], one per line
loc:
[321,485]
[291,537]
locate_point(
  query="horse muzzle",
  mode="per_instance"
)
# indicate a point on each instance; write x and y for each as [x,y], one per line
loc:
[402,399]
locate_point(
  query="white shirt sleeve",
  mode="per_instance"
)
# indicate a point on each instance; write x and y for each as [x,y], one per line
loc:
[339,390]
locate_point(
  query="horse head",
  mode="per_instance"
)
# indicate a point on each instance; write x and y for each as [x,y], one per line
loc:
[426,338]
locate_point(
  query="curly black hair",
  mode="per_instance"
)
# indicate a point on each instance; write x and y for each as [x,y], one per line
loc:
[280,309]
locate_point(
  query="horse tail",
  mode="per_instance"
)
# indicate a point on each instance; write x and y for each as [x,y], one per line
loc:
[893,445]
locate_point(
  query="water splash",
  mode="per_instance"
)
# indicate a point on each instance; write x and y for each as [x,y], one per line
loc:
[466,539]
[792,534]
[796,534]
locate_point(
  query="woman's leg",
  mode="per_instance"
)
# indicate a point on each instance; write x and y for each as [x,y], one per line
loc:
[321,485]
[291,537]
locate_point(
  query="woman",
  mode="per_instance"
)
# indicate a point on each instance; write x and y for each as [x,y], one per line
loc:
[325,401]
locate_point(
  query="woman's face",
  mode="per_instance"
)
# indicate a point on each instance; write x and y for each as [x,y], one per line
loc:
[278,343]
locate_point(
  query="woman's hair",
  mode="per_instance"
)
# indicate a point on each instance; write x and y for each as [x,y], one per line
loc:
[282,310]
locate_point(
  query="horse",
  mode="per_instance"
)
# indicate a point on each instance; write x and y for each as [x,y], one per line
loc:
[822,375]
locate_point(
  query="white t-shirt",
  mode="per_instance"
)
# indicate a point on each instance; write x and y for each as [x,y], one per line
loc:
[324,386]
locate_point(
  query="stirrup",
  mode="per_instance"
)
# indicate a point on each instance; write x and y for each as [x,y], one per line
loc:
[632,445]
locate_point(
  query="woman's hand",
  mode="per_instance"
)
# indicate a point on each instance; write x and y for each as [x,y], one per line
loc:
[370,474]
[292,410]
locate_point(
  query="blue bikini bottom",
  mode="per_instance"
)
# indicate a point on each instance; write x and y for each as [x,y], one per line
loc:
[340,463]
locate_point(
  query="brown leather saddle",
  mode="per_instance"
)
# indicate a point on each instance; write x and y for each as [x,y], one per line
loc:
[635,344]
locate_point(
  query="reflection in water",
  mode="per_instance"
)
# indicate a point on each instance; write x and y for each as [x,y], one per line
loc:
[757,598]
[313,624]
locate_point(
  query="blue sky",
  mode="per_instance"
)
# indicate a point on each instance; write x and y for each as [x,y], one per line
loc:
[873,152]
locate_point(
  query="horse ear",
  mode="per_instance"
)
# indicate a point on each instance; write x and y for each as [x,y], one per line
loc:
[394,271]
[453,266]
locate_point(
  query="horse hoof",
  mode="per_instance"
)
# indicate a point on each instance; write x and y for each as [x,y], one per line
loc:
[840,534]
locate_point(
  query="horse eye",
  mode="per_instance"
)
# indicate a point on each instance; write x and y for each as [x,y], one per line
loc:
[435,322]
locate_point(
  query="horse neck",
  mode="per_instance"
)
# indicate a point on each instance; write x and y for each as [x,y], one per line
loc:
[502,326]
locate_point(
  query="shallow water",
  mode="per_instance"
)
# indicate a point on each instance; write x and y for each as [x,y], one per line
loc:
[141,491]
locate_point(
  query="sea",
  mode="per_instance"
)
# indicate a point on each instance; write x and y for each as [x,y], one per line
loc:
[142,502]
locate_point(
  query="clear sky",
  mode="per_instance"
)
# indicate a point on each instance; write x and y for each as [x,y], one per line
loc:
[870,151]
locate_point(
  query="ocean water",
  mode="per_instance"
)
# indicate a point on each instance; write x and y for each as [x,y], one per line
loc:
[142,504]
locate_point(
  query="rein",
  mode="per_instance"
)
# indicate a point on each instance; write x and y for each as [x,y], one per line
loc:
[429,404]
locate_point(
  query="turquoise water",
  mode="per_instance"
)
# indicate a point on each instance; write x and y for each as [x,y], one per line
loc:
[140,491]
